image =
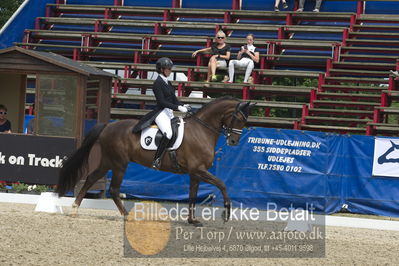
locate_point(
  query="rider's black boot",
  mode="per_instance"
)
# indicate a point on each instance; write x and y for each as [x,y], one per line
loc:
[156,164]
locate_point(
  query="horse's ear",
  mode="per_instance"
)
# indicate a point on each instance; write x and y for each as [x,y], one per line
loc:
[242,106]
[251,105]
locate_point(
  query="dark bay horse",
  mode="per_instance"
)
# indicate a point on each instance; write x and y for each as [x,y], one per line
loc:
[118,146]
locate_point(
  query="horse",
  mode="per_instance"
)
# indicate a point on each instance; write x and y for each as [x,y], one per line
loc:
[118,146]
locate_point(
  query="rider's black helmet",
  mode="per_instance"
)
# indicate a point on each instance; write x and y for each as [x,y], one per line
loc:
[164,63]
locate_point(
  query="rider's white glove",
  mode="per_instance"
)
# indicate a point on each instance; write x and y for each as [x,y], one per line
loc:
[182,109]
[188,107]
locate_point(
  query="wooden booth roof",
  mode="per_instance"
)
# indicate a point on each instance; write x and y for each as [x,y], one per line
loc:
[22,60]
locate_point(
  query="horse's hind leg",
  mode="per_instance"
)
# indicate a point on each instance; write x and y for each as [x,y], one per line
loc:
[114,189]
[90,180]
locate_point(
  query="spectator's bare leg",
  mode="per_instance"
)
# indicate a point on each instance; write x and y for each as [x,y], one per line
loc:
[209,72]
[213,66]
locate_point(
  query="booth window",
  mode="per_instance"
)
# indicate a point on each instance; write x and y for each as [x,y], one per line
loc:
[56,105]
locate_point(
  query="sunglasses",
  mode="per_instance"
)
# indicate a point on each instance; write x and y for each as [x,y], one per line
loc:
[220,38]
[3,113]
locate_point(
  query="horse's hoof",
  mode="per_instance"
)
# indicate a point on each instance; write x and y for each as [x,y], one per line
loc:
[196,223]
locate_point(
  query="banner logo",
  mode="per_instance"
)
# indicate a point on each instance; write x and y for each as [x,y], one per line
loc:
[386,157]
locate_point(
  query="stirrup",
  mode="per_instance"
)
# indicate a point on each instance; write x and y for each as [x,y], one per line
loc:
[156,164]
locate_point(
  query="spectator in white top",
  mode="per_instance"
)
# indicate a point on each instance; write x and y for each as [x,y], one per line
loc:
[246,59]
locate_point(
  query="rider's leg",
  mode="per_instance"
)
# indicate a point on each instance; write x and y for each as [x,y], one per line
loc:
[163,122]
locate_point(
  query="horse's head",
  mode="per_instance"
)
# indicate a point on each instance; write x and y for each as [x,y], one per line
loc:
[234,122]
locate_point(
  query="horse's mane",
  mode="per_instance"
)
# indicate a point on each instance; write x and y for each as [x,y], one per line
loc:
[217,100]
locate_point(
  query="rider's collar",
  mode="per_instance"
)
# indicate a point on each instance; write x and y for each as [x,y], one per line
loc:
[164,78]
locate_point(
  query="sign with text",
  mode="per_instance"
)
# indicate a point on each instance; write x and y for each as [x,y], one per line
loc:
[33,159]
[386,157]
[155,230]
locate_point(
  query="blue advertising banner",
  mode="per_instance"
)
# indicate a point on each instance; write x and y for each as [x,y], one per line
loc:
[276,168]
[282,167]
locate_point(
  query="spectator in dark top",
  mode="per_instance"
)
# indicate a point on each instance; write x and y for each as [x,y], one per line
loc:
[5,124]
[277,3]
[220,55]
[316,7]
[246,58]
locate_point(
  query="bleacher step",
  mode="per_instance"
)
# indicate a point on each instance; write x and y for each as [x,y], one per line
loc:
[347,104]
[365,65]
[388,35]
[357,80]
[353,72]
[340,129]
[343,112]
[370,50]
[369,58]
[335,95]
[336,119]
[335,87]
[372,42]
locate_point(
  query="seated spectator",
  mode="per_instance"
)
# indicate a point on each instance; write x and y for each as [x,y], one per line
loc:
[246,59]
[277,3]
[5,124]
[90,113]
[395,73]
[316,7]
[30,128]
[220,55]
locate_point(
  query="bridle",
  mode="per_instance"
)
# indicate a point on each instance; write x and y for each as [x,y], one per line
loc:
[227,130]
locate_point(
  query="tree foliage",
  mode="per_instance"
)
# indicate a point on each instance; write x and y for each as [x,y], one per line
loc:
[7,8]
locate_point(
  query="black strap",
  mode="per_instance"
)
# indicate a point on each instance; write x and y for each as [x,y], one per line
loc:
[205,124]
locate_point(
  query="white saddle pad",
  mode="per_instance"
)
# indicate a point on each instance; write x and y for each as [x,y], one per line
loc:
[147,139]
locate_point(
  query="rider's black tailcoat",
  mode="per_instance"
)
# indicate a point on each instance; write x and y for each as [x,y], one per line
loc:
[166,98]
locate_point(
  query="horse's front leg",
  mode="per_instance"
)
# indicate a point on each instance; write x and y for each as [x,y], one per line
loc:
[194,183]
[207,177]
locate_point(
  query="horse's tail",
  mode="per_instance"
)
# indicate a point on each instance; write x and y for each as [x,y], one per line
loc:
[73,168]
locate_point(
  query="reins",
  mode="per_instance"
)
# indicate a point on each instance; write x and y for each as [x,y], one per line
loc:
[227,131]
[205,124]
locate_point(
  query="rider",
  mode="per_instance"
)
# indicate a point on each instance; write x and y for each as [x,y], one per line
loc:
[163,113]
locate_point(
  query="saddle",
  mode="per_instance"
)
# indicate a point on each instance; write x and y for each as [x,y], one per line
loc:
[151,136]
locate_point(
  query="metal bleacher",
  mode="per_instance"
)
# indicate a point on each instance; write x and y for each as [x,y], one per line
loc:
[346,56]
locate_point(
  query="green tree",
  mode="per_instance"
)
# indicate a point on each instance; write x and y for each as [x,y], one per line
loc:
[7,8]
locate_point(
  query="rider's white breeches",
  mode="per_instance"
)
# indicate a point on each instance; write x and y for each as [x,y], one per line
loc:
[163,122]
